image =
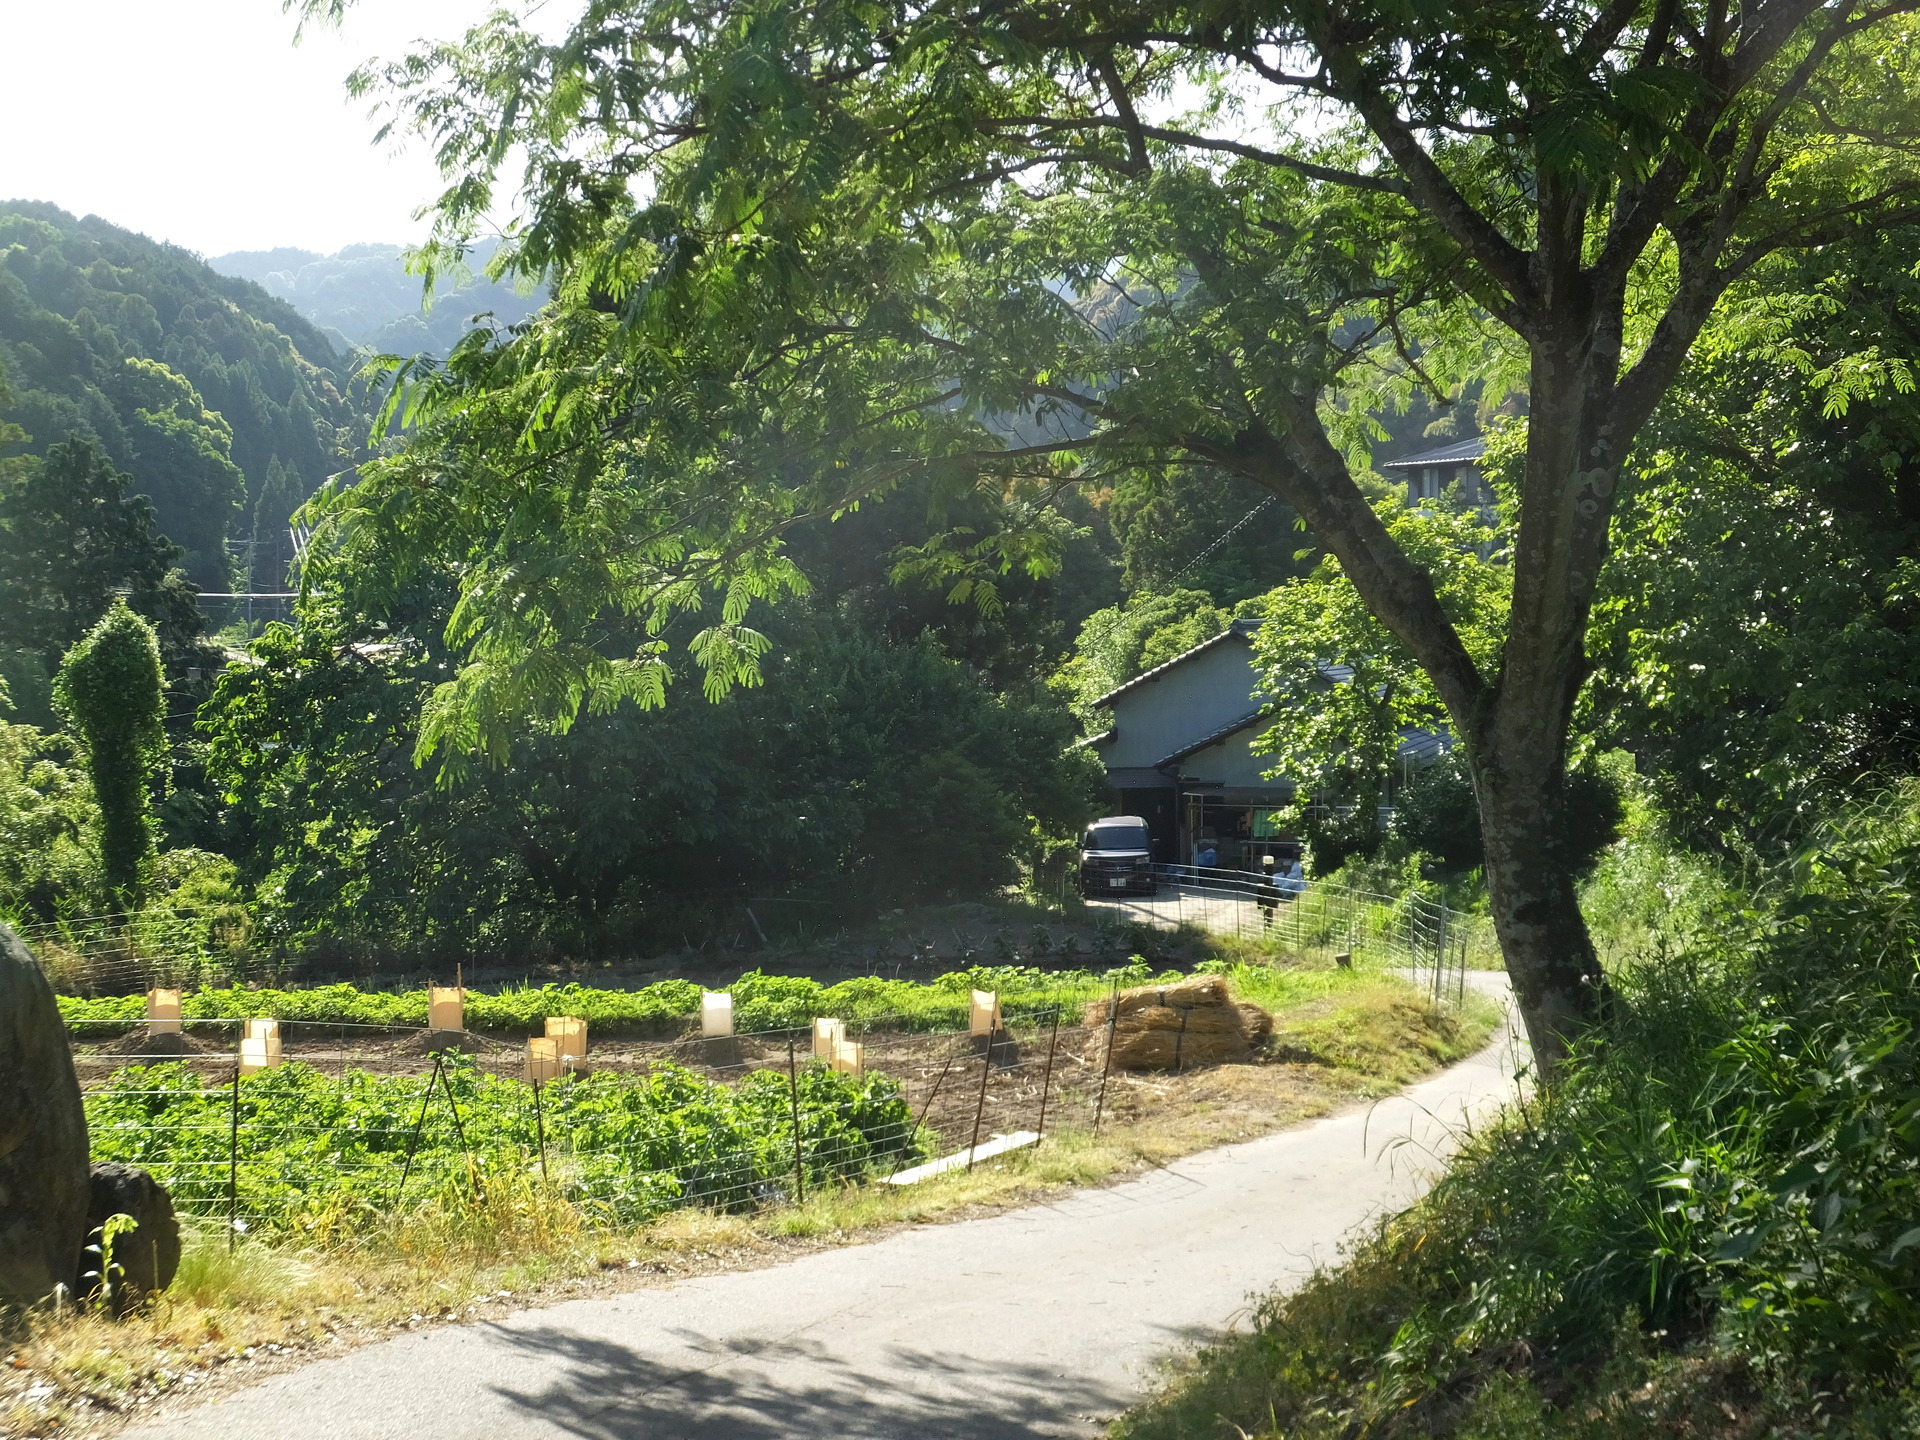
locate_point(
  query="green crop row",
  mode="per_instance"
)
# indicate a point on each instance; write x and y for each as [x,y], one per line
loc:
[761,1002]
[316,1152]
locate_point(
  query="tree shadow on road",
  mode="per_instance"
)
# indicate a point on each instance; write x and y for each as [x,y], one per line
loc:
[746,1389]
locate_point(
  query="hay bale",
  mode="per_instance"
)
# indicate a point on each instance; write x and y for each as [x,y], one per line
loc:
[1195,1021]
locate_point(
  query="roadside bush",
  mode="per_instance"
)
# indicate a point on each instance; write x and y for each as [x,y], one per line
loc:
[1726,1184]
[1436,812]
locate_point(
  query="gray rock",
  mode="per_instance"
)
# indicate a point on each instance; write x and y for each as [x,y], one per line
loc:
[43,1136]
[146,1255]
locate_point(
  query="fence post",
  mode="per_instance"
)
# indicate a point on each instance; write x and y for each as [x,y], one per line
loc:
[1113,1018]
[799,1170]
[233,1163]
[540,1129]
[413,1144]
[1046,1083]
[932,1095]
[980,1109]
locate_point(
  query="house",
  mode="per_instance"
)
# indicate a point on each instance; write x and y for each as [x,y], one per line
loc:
[1180,755]
[1428,473]
[1179,752]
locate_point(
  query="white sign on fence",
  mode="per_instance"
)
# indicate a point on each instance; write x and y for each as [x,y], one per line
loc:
[986,1011]
[163,1012]
[716,1013]
[826,1034]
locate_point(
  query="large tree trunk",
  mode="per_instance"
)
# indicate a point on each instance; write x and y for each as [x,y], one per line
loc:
[1557,980]
[1517,733]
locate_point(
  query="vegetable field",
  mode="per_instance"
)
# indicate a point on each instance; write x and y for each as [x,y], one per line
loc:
[305,1151]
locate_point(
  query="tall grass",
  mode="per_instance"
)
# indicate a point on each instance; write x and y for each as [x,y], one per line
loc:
[1719,1205]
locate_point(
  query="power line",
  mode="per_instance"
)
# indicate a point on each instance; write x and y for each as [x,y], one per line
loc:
[1225,536]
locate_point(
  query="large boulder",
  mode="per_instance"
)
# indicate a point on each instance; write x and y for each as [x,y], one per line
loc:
[43,1136]
[148,1254]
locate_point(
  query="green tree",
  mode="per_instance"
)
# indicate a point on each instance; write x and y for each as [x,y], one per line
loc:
[272,550]
[861,773]
[71,538]
[80,298]
[800,250]
[110,690]
[1123,641]
[183,457]
[1757,639]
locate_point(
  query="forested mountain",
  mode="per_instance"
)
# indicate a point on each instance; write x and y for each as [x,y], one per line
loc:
[363,296]
[211,393]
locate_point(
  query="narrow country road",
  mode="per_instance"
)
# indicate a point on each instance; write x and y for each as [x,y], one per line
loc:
[1038,1322]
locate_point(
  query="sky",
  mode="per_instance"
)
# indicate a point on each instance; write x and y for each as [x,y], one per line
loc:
[198,121]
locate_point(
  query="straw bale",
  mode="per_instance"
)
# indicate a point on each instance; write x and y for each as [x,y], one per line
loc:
[1168,1027]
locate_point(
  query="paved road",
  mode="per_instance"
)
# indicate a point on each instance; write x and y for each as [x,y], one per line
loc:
[1038,1322]
[1220,909]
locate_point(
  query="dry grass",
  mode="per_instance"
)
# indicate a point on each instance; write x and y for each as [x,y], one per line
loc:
[231,1317]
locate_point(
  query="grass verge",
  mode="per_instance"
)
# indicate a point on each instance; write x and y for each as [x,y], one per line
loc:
[230,1317]
[1709,1227]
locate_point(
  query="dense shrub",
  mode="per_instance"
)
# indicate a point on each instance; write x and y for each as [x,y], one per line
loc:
[761,1002]
[1436,812]
[1730,1171]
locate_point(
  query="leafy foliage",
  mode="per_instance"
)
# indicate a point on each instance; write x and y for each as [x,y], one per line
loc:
[1726,1188]
[49,826]
[111,689]
[1123,641]
[860,770]
[761,1002]
[1435,813]
[1756,633]
[72,535]
[1345,689]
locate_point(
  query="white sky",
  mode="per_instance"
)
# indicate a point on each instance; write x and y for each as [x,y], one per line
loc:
[198,121]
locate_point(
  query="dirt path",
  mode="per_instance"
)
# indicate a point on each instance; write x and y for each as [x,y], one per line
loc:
[1039,1322]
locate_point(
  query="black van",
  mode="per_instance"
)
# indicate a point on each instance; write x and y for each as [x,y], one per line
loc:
[1116,858]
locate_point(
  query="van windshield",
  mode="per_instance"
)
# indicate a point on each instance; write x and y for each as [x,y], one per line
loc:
[1115,837]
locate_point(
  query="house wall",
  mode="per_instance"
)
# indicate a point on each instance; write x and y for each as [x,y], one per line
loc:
[1232,763]
[1201,695]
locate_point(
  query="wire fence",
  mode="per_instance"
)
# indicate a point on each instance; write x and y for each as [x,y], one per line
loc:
[343,1136]
[1322,922]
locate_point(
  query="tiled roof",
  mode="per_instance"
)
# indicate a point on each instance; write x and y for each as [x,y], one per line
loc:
[1238,630]
[1457,453]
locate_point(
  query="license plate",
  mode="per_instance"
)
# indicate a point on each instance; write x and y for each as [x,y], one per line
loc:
[1116,884]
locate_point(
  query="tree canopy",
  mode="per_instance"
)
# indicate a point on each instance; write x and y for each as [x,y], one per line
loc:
[801,251]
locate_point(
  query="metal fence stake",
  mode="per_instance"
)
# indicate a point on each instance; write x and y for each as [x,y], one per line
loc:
[540,1129]
[233,1163]
[979,1110]
[1046,1082]
[1113,1019]
[932,1095]
[799,1170]
[413,1144]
